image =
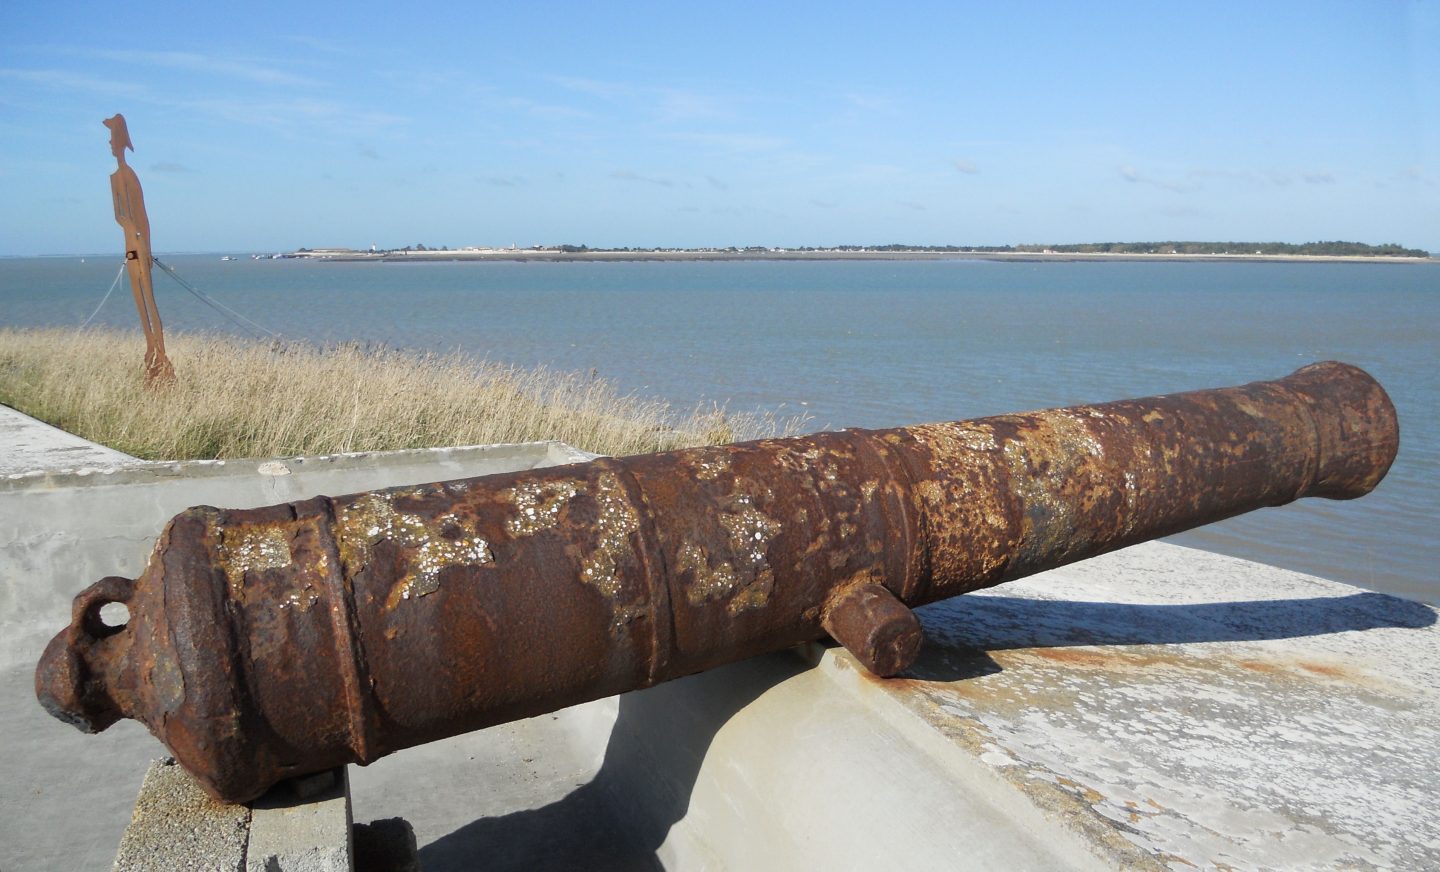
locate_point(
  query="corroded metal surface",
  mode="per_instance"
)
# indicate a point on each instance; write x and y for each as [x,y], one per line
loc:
[272,642]
[877,628]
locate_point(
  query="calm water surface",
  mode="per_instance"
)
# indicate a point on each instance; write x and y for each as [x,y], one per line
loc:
[876,344]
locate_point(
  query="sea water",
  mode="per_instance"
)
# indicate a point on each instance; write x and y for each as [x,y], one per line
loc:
[882,343]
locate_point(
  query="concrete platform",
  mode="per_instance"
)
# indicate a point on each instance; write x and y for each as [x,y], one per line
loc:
[1155,708]
[27,445]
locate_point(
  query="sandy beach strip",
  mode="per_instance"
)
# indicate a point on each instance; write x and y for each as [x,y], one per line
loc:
[547,255]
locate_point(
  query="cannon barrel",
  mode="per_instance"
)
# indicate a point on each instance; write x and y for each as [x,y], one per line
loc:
[267,643]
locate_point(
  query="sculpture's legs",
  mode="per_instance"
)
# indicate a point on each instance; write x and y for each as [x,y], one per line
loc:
[157,365]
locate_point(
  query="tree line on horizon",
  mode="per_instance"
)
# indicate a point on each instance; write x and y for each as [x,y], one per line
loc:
[1325,249]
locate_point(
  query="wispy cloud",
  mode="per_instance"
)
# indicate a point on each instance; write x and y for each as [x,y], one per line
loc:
[290,113]
[823,204]
[911,204]
[595,87]
[247,70]
[316,43]
[1246,177]
[543,110]
[739,142]
[287,112]
[1135,177]
[1416,175]
[1180,212]
[1318,177]
[66,81]
[964,166]
[367,151]
[680,105]
[551,111]
[630,176]
[717,184]
[503,181]
[870,102]
[667,105]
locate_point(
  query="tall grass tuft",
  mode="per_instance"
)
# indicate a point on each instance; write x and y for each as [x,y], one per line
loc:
[242,398]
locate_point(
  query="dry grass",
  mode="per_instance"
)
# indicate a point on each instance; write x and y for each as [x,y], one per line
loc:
[239,398]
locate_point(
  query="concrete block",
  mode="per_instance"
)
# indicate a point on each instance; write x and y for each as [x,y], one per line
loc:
[302,826]
[299,826]
[176,826]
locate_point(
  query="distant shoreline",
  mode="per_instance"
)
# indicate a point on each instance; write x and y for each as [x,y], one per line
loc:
[545,255]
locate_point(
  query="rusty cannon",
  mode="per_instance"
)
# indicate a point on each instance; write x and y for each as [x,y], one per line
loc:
[273,642]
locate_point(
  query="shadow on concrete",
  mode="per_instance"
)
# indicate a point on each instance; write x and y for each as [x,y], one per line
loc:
[618,820]
[661,735]
[959,632]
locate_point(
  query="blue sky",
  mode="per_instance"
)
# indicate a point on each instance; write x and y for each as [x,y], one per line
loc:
[265,126]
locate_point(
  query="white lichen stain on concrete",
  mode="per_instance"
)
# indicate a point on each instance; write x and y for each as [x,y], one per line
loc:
[431,546]
[538,505]
[1294,750]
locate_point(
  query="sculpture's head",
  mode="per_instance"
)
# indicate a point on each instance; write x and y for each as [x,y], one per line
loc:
[119,136]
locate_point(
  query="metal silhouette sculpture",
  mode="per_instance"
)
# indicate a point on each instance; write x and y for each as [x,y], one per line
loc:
[130,215]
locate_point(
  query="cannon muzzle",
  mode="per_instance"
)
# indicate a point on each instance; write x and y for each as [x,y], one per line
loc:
[273,642]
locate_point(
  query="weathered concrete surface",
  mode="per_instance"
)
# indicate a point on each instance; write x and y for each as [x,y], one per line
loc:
[293,828]
[176,826]
[1182,708]
[27,445]
[302,830]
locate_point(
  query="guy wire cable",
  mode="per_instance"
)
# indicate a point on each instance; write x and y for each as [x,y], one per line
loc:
[218,306]
[113,285]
